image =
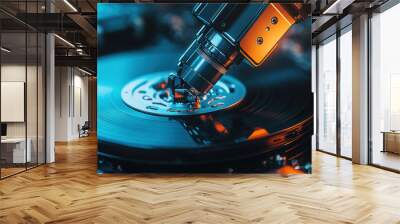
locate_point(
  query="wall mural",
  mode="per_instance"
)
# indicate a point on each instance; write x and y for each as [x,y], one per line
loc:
[207,87]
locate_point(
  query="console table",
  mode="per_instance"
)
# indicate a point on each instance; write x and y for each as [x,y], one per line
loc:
[391,141]
[14,150]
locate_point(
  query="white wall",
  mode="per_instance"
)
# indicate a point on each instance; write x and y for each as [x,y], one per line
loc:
[33,127]
[62,82]
[13,73]
[80,110]
[71,102]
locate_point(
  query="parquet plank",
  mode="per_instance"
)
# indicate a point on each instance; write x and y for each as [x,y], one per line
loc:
[70,191]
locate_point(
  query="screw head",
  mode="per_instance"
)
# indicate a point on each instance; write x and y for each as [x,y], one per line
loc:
[274,20]
[260,40]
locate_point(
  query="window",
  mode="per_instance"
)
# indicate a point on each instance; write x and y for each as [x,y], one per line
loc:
[385,89]
[327,96]
[346,93]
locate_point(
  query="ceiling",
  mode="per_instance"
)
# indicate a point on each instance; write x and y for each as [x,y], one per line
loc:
[72,20]
[76,21]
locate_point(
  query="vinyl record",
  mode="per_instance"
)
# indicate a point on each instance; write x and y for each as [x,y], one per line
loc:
[275,114]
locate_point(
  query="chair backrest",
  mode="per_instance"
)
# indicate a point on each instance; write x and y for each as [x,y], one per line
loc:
[86,124]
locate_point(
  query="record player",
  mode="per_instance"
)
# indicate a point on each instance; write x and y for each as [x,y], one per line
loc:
[238,100]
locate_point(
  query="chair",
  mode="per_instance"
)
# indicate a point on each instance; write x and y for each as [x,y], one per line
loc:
[84,129]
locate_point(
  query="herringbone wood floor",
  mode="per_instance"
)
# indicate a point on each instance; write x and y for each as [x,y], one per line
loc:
[70,191]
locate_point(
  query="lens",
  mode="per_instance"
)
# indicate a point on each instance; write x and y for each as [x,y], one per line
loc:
[207,63]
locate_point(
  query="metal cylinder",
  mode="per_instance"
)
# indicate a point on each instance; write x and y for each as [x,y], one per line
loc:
[207,62]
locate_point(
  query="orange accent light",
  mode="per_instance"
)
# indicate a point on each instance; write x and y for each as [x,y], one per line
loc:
[163,85]
[220,127]
[288,170]
[258,133]
[178,95]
